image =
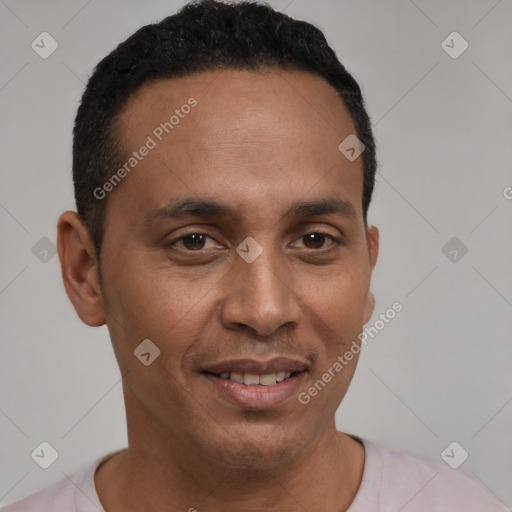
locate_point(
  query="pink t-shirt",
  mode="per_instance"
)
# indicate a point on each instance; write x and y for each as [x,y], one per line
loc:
[392,481]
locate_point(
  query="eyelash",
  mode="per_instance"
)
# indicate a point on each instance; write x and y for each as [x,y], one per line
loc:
[335,241]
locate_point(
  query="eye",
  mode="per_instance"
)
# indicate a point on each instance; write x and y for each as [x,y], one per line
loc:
[316,240]
[199,241]
[191,241]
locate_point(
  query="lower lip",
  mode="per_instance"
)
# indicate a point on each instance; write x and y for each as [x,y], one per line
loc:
[257,397]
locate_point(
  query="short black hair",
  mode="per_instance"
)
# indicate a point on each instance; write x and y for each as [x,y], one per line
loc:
[204,35]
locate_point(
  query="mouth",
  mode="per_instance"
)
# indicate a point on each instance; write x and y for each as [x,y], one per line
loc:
[254,384]
[252,379]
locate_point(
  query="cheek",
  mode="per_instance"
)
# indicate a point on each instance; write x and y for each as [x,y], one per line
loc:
[339,298]
[161,304]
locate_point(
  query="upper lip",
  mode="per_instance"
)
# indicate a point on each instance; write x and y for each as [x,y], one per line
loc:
[277,364]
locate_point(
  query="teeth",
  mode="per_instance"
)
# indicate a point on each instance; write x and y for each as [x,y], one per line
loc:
[250,379]
[281,376]
[269,379]
[237,377]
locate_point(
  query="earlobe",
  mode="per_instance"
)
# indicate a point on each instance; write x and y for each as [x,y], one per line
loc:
[369,307]
[79,268]
[372,237]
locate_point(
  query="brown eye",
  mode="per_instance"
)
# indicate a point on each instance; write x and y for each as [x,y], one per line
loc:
[192,242]
[315,240]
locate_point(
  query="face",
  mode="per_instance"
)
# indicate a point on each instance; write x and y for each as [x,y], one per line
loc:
[237,245]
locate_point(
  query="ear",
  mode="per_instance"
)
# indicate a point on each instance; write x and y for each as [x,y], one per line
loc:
[79,268]
[372,241]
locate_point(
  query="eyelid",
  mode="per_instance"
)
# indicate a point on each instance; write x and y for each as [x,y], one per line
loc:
[335,240]
[174,241]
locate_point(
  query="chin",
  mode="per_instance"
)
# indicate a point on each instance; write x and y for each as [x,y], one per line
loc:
[256,448]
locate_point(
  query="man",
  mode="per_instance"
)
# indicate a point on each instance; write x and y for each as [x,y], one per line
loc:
[223,167]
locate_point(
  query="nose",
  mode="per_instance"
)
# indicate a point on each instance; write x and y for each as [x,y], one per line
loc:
[260,296]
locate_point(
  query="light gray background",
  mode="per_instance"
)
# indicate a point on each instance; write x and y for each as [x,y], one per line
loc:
[439,372]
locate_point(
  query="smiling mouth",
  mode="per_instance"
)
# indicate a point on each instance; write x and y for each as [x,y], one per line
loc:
[257,385]
[251,379]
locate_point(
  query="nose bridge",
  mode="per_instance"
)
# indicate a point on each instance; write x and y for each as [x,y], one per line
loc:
[265,284]
[260,294]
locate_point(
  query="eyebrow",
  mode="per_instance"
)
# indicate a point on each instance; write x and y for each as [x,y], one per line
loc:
[208,208]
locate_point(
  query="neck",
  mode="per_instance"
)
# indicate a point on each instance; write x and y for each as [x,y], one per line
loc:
[327,477]
[164,471]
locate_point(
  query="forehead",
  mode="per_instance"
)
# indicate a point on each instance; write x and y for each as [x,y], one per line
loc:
[255,99]
[269,132]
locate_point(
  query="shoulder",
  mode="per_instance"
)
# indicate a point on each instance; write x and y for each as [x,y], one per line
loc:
[58,496]
[413,484]
[73,493]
